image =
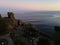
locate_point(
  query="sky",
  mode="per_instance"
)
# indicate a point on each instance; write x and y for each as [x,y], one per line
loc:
[34,5]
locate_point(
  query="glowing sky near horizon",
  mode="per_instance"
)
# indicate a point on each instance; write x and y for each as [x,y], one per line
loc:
[31,4]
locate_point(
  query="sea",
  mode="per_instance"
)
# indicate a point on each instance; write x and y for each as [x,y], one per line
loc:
[45,21]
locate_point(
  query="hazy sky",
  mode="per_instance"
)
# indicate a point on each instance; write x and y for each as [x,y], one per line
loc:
[31,4]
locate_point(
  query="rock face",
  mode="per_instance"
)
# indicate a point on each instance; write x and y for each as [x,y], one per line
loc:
[6,40]
[12,18]
[6,25]
[20,33]
[10,15]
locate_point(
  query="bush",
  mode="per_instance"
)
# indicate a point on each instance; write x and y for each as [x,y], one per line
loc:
[4,26]
[56,35]
[31,30]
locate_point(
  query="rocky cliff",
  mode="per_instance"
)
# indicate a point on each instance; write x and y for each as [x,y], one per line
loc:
[21,33]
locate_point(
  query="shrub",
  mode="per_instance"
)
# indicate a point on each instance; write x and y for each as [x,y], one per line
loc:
[4,26]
